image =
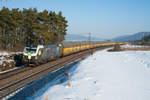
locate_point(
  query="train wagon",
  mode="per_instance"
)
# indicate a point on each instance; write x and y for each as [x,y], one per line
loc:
[72,47]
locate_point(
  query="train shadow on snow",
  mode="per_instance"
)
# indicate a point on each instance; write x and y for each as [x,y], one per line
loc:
[38,87]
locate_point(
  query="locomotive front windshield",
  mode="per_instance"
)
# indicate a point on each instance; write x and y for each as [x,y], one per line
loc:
[31,50]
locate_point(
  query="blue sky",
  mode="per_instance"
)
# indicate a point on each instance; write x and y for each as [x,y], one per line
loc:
[102,18]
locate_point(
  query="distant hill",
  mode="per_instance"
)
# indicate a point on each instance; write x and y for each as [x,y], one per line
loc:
[75,37]
[136,36]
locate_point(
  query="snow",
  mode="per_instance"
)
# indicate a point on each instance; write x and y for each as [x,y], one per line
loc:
[4,53]
[7,57]
[133,46]
[3,58]
[107,76]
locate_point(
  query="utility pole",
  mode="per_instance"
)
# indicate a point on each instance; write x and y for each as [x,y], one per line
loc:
[89,38]
[90,43]
[143,37]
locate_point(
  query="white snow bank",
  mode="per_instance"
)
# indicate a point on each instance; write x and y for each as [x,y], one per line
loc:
[4,53]
[133,46]
[3,57]
[107,76]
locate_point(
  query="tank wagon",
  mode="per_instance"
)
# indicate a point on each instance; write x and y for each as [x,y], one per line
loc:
[44,53]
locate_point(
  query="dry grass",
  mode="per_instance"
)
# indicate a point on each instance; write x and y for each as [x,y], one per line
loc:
[118,48]
[136,49]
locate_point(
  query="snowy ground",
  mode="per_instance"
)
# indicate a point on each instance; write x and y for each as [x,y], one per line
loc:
[133,46]
[107,76]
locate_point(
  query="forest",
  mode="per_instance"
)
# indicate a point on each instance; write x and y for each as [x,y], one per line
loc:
[19,28]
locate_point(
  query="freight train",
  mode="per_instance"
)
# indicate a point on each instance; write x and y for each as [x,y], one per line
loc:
[44,53]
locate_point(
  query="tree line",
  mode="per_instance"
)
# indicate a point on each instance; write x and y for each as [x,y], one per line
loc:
[28,26]
[146,38]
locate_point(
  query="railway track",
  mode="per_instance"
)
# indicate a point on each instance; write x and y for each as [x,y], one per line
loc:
[13,72]
[17,80]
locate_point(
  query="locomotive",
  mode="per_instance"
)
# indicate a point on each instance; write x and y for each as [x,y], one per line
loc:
[41,53]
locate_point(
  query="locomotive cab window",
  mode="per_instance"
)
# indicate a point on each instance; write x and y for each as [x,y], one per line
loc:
[31,50]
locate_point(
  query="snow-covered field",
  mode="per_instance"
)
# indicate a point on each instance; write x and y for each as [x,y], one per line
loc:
[133,46]
[107,76]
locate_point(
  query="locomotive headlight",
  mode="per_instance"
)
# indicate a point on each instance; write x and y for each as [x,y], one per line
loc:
[39,52]
[29,56]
